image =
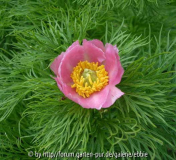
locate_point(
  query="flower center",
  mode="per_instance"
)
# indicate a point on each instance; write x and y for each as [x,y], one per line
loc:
[89,78]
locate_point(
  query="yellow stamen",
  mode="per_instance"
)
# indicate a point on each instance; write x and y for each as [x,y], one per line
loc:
[89,78]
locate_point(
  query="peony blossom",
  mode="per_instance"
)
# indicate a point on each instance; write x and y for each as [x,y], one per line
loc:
[87,73]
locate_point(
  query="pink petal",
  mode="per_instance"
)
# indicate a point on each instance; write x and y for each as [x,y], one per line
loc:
[73,45]
[114,93]
[96,100]
[98,44]
[113,65]
[55,65]
[59,83]
[71,58]
[93,53]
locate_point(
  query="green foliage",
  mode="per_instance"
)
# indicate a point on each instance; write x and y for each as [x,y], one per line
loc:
[35,115]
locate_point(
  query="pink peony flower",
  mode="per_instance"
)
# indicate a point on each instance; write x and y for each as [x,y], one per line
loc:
[88,74]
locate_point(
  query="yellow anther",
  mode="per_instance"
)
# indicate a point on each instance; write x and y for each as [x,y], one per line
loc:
[90,80]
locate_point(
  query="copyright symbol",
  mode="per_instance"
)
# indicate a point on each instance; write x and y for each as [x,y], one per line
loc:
[30,154]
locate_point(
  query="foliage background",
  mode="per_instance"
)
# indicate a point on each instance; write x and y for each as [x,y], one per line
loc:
[34,116]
